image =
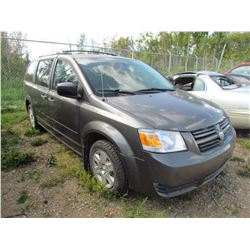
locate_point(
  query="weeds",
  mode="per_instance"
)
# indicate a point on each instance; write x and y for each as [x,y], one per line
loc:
[38,142]
[51,161]
[235,211]
[235,158]
[247,145]
[22,197]
[13,159]
[32,174]
[32,132]
[9,138]
[53,181]
[245,172]
[137,210]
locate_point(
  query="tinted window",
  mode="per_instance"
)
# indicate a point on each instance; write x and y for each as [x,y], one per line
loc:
[245,70]
[43,72]
[64,73]
[121,74]
[199,85]
[31,72]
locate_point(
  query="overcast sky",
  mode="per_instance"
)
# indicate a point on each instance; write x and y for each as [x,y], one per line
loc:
[64,21]
[37,49]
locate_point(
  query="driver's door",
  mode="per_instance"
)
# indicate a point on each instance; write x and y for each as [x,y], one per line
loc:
[64,111]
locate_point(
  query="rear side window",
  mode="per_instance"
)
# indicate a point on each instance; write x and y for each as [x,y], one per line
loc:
[199,85]
[43,72]
[31,72]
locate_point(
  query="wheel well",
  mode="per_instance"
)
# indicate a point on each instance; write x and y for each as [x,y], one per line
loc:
[88,142]
[27,104]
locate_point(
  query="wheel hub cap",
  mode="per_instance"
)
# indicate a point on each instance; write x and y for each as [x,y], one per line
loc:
[103,168]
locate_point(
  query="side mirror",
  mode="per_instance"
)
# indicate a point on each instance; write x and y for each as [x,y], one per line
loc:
[68,89]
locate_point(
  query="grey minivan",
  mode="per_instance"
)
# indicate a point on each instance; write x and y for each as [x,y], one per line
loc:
[129,123]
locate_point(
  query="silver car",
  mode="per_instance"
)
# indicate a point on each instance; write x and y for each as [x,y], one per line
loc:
[232,97]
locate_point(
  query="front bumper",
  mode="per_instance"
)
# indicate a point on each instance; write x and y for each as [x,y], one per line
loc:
[240,120]
[173,174]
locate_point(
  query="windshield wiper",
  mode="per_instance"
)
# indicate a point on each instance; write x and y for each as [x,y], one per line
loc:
[116,91]
[154,90]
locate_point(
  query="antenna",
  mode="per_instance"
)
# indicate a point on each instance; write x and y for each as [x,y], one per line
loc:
[102,88]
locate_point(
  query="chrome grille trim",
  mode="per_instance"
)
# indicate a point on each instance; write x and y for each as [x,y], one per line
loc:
[208,138]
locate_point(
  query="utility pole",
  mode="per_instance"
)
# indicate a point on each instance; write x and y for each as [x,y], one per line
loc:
[221,56]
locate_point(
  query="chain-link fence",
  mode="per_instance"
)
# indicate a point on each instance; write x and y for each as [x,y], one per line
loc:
[16,53]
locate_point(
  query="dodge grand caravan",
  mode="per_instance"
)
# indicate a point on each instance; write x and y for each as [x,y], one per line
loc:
[132,128]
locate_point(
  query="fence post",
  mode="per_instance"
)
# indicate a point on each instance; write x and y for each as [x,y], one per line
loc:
[196,63]
[186,62]
[169,63]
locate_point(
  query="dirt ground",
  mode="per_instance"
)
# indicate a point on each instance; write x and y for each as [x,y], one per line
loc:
[44,187]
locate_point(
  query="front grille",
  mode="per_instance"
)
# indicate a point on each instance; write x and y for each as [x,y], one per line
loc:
[209,138]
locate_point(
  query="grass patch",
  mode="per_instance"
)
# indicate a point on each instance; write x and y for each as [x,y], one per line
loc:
[13,159]
[245,172]
[137,210]
[23,197]
[69,165]
[32,132]
[13,118]
[53,181]
[9,138]
[235,211]
[32,174]
[38,142]
[247,145]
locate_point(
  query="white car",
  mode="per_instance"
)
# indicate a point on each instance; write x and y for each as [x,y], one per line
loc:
[220,89]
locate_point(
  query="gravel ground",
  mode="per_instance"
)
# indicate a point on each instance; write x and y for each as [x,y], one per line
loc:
[26,191]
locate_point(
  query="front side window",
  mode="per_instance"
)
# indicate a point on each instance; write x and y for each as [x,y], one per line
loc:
[245,70]
[121,74]
[225,82]
[29,76]
[199,85]
[43,72]
[64,73]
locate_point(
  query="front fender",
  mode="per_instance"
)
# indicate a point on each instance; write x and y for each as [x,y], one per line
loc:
[114,136]
[111,133]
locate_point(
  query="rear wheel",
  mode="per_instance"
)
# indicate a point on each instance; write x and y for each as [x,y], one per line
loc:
[32,118]
[106,166]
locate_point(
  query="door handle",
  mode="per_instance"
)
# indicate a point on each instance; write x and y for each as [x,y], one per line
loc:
[44,96]
[51,99]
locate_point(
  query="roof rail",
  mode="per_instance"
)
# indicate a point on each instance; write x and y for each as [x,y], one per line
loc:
[186,73]
[87,51]
[79,51]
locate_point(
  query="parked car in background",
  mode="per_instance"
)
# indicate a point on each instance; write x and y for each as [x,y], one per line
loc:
[242,68]
[220,89]
[243,80]
[130,125]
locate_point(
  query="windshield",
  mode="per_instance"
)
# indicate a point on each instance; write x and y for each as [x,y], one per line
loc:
[225,82]
[111,75]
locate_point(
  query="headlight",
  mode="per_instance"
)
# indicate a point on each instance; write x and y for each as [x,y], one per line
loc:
[161,141]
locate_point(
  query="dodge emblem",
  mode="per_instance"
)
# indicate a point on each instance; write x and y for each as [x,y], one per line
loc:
[220,132]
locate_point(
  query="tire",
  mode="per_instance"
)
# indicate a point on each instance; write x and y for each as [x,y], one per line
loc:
[106,167]
[32,118]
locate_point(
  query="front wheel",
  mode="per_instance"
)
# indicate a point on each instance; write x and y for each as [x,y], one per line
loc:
[106,166]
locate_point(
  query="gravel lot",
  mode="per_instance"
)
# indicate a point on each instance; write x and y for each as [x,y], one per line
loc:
[44,187]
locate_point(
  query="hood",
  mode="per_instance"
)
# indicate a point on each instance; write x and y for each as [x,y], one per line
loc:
[172,110]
